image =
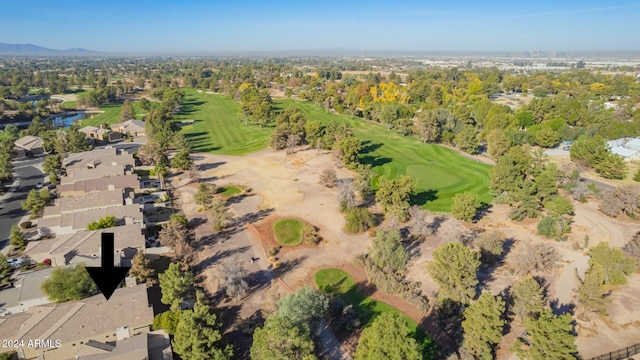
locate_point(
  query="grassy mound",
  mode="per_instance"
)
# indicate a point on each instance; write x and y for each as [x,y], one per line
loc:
[229,191]
[288,232]
[338,282]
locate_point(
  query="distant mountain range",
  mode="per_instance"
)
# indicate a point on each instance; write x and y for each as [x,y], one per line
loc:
[30,49]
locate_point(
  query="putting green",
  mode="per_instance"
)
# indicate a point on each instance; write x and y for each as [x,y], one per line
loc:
[288,232]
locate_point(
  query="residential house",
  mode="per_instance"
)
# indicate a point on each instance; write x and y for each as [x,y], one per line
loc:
[81,187]
[25,292]
[31,145]
[130,127]
[90,201]
[76,323]
[100,133]
[97,172]
[71,222]
[96,157]
[154,345]
[84,246]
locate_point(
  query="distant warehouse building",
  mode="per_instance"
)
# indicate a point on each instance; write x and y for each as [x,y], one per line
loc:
[626,153]
[629,149]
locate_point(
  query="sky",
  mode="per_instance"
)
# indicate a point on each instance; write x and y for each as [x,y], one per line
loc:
[239,25]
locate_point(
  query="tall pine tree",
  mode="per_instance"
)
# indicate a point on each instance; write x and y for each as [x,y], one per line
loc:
[483,325]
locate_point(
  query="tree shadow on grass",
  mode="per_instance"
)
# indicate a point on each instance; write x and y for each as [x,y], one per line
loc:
[334,288]
[423,197]
[368,147]
[375,161]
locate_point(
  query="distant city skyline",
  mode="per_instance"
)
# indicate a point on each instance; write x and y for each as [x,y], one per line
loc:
[245,26]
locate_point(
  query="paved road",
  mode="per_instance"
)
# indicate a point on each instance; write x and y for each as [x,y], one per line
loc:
[28,175]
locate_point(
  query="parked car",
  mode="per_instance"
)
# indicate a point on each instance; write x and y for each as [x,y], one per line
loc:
[39,185]
[15,262]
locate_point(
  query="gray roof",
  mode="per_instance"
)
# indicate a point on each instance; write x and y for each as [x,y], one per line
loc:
[29,142]
[80,220]
[133,348]
[101,184]
[26,290]
[94,200]
[79,320]
[107,156]
[130,126]
[87,243]
[100,171]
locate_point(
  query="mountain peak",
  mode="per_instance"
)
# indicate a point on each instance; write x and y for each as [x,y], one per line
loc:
[31,49]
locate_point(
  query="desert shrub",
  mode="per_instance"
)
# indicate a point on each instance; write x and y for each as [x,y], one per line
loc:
[528,258]
[273,251]
[310,234]
[490,244]
[632,248]
[553,226]
[624,199]
[359,219]
[328,178]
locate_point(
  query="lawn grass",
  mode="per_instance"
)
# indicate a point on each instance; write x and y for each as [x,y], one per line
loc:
[217,127]
[439,173]
[229,191]
[337,282]
[288,232]
[111,115]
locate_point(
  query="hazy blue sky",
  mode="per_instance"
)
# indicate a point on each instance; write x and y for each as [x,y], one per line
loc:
[209,25]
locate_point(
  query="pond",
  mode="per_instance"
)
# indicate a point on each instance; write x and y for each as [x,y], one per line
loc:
[66,121]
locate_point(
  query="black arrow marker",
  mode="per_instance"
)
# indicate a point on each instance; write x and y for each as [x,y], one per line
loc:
[107,277]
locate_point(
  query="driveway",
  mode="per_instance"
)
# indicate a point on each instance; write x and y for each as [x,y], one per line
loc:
[28,175]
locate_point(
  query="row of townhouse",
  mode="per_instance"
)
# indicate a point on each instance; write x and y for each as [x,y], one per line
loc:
[97,183]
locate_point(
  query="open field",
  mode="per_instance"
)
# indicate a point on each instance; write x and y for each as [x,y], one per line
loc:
[440,173]
[288,232]
[217,126]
